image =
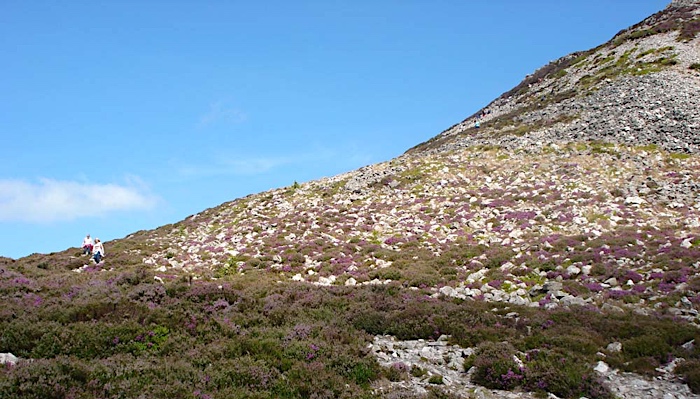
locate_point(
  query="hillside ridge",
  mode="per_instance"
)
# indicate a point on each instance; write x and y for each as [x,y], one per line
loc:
[646,75]
[553,249]
[538,170]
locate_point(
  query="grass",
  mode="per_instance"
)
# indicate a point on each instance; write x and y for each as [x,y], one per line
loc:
[522,129]
[625,66]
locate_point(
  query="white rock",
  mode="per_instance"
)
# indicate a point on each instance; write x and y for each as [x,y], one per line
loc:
[686,243]
[507,266]
[601,367]
[614,347]
[350,282]
[612,281]
[572,300]
[518,300]
[8,358]
[447,291]
[297,277]
[634,200]
[326,280]
[472,291]
[476,276]
[689,345]
[573,270]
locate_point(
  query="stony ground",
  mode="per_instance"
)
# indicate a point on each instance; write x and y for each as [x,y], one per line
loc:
[439,358]
[608,94]
[564,207]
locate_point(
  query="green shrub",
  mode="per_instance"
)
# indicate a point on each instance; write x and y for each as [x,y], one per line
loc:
[45,379]
[582,344]
[396,372]
[641,365]
[690,372]
[388,273]
[364,372]
[496,367]
[652,346]
[564,374]
[245,372]
[416,371]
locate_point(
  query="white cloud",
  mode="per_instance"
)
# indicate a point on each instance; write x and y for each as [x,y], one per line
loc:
[52,200]
[220,112]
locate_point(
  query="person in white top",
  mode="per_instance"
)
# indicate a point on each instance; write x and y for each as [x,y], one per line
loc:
[98,250]
[87,245]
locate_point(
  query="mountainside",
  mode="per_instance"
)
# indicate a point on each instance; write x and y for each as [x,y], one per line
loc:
[595,148]
[565,226]
[640,88]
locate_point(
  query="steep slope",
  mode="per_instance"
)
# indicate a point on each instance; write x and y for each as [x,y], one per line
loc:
[564,231]
[640,88]
[595,154]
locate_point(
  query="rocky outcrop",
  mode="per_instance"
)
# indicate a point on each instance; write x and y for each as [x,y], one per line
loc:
[445,361]
[683,3]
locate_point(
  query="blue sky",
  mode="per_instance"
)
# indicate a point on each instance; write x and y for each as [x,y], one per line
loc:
[120,116]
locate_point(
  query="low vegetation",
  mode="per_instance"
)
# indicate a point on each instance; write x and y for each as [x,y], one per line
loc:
[105,334]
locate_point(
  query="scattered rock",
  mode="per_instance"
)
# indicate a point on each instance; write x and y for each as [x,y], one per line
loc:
[8,358]
[614,347]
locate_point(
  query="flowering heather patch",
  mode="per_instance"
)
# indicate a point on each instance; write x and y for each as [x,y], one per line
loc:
[593,286]
[633,276]
[619,294]
[656,275]
[391,241]
[495,283]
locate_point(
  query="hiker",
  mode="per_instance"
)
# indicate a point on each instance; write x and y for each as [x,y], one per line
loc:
[99,251]
[477,124]
[87,245]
